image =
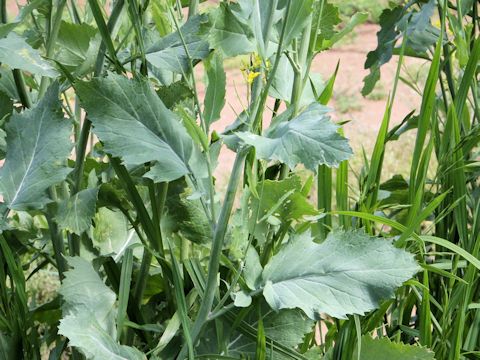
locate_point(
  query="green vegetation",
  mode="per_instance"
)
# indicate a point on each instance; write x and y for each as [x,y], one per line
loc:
[109,156]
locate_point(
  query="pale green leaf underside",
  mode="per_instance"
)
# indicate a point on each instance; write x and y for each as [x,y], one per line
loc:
[349,273]
[16,53]
[75,214]
[35,159]
[310,139]
[134,124]
[89,315]
[384,349]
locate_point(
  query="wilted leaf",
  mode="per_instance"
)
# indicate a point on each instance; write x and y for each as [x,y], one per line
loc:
[89,315]
[384,349]
[349,273]
[134,124]
[16,53]
[310,139]
[35,159]
[76,213]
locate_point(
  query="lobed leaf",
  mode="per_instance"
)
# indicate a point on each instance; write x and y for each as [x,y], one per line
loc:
[75,214]
[134,125]
[35,159]
[89,315]
[349,273]
[310,139]
[384,349]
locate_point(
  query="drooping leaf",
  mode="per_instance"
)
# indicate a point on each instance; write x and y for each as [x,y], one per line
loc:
[35,159]
[7,83]
[75,214]
[215,93]
[228,32]
[16,53]
[349,273]
[169,52]
[89,315]
[384,349]
[134,124]
[310,139]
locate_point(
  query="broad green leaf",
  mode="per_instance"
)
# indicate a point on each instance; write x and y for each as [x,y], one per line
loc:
[169,52]
[326,17]
[35,159]
[112,234]
[310,139]
[349,273]
[89,315]
[297,17]
[134,125]
[76,213]
[74,41]
[215,93]
[16,53]
[384,349]
[228,32]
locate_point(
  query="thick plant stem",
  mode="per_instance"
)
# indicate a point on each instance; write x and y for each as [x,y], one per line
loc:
[217,244]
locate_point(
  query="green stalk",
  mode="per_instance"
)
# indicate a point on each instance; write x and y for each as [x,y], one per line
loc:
[217,244]
[192,8]
[51,42]
[81,148]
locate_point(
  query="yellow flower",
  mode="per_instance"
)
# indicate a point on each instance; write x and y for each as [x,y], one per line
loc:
[257,61]
[251,76]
